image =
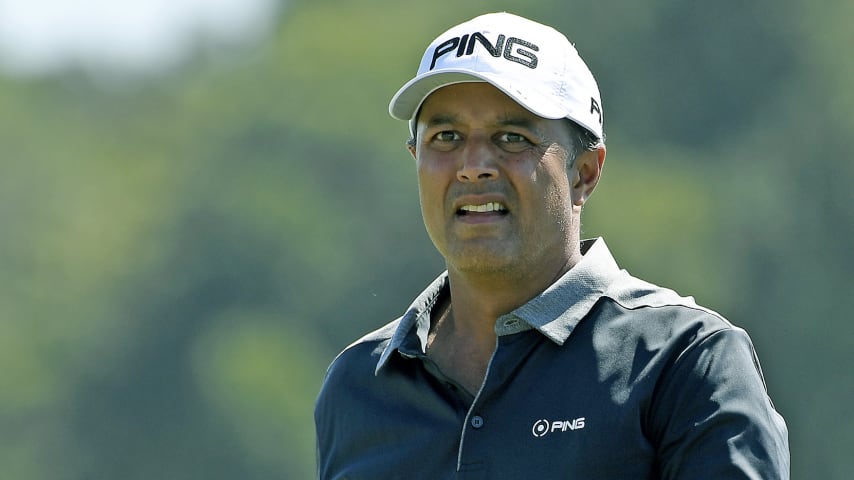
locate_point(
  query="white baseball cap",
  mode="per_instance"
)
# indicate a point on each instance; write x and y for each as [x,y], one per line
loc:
[532,63]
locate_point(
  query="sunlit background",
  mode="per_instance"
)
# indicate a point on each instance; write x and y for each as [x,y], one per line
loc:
[203,201]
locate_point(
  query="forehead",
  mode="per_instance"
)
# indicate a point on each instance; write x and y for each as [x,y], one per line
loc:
[473,101]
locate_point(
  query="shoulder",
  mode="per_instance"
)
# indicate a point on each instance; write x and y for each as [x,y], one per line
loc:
[678,340]
[350,372]
[365,352]
[653,307]
[639,323]
[633,293]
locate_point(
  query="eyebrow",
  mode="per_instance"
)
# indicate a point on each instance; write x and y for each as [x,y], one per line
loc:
[507,121]
[525,123]
[515,121]
[442,119]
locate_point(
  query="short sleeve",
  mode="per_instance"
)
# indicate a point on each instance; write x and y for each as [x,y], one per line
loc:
[712,418]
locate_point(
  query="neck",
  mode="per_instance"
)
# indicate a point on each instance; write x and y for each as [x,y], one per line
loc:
[479,298]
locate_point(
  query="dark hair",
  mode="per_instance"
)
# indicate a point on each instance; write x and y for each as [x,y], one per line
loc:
[583,140]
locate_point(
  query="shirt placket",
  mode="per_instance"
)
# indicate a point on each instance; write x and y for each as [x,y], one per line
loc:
[476,427]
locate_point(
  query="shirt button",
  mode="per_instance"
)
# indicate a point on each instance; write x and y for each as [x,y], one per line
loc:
[477,421]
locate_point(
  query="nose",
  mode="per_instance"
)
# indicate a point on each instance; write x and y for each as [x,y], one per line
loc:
[478,164]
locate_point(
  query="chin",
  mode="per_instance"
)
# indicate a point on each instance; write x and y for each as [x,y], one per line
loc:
[481,262]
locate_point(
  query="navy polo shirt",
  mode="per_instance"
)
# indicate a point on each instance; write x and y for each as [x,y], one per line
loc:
[602,376]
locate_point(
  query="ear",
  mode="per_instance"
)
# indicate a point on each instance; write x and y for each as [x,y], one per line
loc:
[411,147]
[585,175]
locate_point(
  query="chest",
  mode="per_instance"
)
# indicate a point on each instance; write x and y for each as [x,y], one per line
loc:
[534,413]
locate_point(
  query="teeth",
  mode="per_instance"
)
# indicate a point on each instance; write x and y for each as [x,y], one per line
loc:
[487,207]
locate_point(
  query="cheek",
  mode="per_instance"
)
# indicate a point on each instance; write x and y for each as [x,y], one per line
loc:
[555,194]
[434,173]
[554,179]
[426,181]
[431,193]
[432,208]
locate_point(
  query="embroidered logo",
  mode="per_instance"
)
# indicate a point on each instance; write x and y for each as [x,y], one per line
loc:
[543,426]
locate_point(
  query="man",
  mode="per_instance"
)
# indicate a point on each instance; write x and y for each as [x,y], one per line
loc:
[534,355]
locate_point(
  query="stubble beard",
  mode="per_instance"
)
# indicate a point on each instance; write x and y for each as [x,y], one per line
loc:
[521,256]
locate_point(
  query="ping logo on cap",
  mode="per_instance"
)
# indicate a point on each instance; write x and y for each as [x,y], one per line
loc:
[504,47]
[594,107]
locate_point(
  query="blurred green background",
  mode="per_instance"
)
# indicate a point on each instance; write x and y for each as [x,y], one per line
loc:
[183,253]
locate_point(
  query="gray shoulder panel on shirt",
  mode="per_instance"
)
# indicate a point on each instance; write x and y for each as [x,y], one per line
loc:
[632,293]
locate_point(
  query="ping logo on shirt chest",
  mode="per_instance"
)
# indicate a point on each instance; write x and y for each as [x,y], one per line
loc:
[543,426]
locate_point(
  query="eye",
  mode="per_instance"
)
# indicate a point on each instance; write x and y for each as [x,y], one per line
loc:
[446,136]
[445,140]
[510,137]
[512,142]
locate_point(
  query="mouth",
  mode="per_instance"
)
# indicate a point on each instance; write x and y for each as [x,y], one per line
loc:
[484,209]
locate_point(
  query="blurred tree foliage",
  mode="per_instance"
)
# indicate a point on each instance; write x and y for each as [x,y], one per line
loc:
[183,255]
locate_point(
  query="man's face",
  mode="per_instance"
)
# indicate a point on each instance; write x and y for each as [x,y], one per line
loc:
[493,181]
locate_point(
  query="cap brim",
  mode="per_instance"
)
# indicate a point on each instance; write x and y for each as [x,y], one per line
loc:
[409,98]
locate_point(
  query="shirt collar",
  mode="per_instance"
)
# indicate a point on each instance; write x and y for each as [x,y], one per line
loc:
[416,320]
[554,313]
[557,311]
